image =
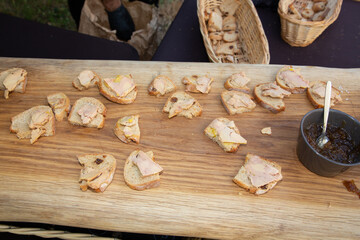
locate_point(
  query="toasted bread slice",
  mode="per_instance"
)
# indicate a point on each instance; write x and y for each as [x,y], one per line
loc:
[13,80]
[215,21]
[86,80]
[316,94]
[230,48]
[197,84]
[228,7]
[33,123]
[225,133]
[237,102]
[270,96]
[98,171]
[291,80]
[88,112]
[231,36]
[60,105]
[258,175]
[182,104]
[133,176]
[238,82]
[217,36]
[161,85]
[127,129]
[121,89]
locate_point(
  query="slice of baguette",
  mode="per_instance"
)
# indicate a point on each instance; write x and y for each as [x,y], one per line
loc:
[127,129]
[21,124]
[134,178]
[99,119]
[98,171]
[242,178]
[197,84]
[229,23]
[86,80]
[176,105]
[215,21]
[60,105]
[237,102]
[298,86]
[13,80]
[111,95]
[213,133]
[229,7]
[238,82]
[161,85]
[316,94]
[274,105]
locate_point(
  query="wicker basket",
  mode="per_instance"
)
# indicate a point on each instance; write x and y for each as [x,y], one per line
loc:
[300,33]
[254,45]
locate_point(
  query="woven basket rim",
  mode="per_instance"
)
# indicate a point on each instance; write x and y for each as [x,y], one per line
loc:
[264,42]
[324,22]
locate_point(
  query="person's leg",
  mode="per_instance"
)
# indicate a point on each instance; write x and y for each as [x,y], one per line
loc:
[119,19]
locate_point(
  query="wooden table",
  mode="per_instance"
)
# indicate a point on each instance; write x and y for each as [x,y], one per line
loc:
[197,196]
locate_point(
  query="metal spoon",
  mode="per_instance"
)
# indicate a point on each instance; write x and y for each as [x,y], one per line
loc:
[323,139]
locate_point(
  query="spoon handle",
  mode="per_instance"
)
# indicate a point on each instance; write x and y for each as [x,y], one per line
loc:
[327,104]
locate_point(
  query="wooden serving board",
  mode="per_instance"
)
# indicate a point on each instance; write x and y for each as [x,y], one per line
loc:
[197,196]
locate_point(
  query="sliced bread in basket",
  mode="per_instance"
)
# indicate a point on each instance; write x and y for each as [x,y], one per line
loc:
[239,39]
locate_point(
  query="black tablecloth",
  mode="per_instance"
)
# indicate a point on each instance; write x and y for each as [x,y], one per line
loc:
[338,46]
[23,38]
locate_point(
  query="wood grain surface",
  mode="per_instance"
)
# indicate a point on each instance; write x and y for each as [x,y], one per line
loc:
[39,183]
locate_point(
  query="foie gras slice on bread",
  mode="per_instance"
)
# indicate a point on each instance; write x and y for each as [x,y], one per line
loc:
[33,123]
[225,133]
[238,82]
[86,80]
[13,80]
[141,171]
[271,97]
[316,94]
[237,102]
[97,172]
[60,105]
[127,129]
[197,84]
[291,80]
[121,89]
[88,112]
[258,175]
[182,104]
[161,85]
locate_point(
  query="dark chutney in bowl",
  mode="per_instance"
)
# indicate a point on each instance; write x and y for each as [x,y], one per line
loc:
[310,157]
[340,148]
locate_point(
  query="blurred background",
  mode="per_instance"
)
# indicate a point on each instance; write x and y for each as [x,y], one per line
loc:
[55,13]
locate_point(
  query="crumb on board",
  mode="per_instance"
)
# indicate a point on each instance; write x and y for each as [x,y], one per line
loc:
[266,131]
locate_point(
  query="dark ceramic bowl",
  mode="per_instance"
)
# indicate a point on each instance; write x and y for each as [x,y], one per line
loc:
[313,160]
